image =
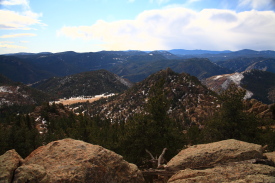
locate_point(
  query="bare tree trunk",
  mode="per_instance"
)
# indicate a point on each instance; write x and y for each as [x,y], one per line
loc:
[157,162]
[161,158]
[150,154]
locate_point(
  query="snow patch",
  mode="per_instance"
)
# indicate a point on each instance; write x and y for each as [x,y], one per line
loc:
[235,78]
[248,94]
[5,89]
[217,77]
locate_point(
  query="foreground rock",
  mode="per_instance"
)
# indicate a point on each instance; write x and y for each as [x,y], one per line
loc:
[234,172]
[210,155]
[31,173]
[270,156]
[71,160]
[8,163]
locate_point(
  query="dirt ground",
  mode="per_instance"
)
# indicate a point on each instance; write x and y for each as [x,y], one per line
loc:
[77,100]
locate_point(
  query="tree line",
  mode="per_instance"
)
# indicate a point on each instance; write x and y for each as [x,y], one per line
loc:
[152,130]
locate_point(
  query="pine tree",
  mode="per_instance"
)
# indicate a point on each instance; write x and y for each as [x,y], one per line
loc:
[231,121]
[153,130]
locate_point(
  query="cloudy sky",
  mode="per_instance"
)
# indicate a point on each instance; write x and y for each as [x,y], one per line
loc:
[94,25]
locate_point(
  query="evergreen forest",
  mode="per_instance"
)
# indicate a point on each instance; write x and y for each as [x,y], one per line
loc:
[152,130]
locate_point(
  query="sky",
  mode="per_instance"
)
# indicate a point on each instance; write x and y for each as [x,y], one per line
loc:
[35,26]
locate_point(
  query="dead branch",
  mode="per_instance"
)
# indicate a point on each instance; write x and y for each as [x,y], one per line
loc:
[161,158]
[158,161]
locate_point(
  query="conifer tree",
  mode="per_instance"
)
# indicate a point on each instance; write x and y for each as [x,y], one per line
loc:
[153,130]
[231,121]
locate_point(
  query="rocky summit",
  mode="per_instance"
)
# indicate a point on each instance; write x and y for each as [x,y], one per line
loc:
[71,160]
[187,97]
[208,155]
[224,161]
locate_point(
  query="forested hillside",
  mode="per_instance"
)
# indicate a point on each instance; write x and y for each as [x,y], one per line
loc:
[83,84]
[166,110]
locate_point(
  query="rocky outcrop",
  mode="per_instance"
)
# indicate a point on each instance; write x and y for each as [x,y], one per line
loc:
[8,163]
[210,155]
[270,156]
[234,172]
[258,108]
[71,160]
[31,173]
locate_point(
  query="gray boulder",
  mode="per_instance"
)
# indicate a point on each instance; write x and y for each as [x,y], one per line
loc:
[8,163]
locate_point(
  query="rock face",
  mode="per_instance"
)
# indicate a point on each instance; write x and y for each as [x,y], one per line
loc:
[71,160]
[8,163]
[235,172]
[270,156]
[31,173]
[209,155]
[225,161]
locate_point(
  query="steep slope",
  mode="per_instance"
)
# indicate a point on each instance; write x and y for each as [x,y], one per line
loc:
[19,70]
[259,84]
[190,101]
[84,84]
[17,93]
[201,68]
[244,64]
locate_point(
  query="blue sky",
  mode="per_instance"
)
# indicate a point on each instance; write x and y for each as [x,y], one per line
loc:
[95,25]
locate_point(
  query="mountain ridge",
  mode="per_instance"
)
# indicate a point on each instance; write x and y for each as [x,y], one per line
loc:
[182,90]
[258,84]
[83,84]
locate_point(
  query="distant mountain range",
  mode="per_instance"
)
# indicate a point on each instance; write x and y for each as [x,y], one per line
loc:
[133,65]
[57,73]
[216,56]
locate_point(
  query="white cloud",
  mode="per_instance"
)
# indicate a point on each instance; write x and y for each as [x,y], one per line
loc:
[182,28]
[17,35]
[14,20]
[6,42]
[15,2]
[18,20]
[131,1]
[12,46]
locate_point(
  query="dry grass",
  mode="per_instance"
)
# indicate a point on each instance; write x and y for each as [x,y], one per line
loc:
[77,100]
